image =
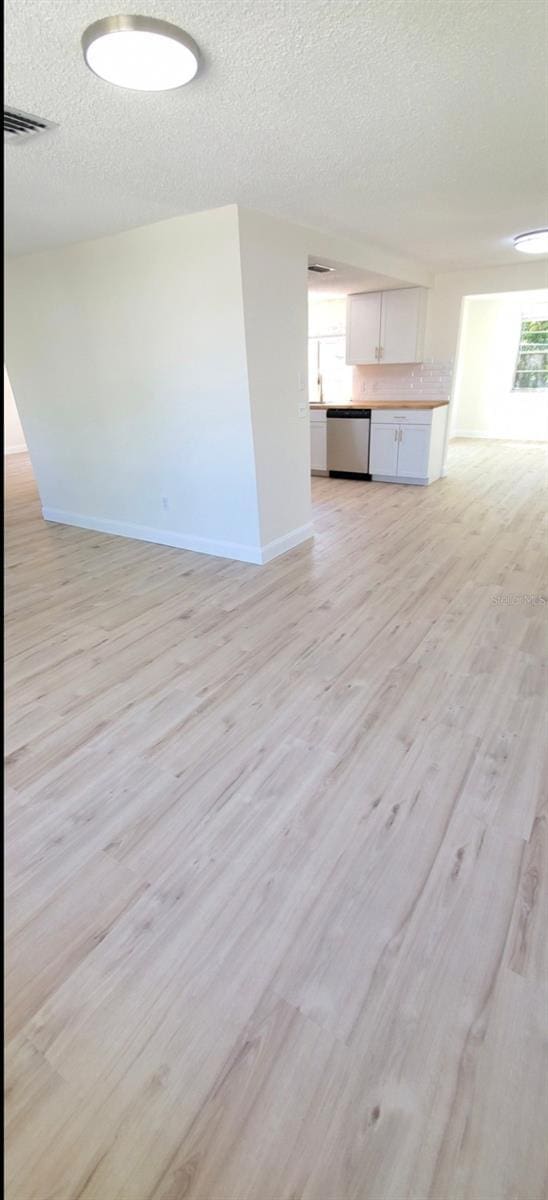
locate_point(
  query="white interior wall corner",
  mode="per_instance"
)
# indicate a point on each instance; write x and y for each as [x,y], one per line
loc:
[274,261]
[135,398]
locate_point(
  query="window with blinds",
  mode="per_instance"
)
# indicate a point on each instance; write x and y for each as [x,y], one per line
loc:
[532,365]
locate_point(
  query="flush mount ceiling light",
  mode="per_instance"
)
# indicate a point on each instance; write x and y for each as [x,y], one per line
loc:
[534,242]
[141,53]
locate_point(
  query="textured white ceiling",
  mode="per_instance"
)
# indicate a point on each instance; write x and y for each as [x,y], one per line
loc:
[417,124]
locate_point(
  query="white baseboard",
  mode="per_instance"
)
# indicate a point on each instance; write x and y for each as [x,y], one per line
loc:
[493,437]
[181,541]
[22,449]
[403,479]
[289,540]
[470,433]
[161,537]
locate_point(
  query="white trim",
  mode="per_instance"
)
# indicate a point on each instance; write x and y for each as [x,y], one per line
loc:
[417,481]
[181,541]
[289,540]
[162,537]
[469,433]
[21,449]
[494,437]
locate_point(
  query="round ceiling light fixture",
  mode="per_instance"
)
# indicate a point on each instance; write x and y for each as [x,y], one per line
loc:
[141,53]
[534,242]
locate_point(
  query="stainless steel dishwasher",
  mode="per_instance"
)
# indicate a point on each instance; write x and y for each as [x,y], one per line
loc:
[348,442]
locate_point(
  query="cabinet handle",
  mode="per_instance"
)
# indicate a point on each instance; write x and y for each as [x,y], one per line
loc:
[377,352]
[401,433]
[381,348]
[395,435]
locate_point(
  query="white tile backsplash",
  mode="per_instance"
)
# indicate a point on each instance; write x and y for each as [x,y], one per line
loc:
[403,381]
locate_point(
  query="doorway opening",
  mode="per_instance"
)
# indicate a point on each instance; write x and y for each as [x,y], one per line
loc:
[14,437]
[501,380]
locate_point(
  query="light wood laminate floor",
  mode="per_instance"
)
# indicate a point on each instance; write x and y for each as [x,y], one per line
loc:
[276,852]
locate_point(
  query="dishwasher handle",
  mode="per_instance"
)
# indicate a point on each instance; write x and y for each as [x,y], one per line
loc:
[354,414]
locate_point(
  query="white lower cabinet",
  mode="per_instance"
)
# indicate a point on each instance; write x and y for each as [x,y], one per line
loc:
[413,451]
[383,450]
[318,443]
[407,446]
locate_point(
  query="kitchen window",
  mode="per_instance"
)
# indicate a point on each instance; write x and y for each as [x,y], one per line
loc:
[532,364]
[329,378]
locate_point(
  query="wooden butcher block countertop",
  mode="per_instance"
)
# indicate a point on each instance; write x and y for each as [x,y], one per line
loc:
[421,404]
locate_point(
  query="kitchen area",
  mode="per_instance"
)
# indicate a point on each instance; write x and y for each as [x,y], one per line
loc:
[378,410]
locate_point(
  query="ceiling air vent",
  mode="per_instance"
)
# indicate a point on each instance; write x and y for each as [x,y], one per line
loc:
[18,126]
[319,269]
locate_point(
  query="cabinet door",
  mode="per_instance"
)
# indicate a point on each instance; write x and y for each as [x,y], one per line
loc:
[318,446]
[402,325]
[414,447]
[383,450]
[363,328]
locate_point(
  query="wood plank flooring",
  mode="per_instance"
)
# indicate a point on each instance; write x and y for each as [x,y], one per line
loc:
[276,852]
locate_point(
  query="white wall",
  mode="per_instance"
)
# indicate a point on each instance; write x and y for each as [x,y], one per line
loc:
[274,280]
[14,438]
[446,306]
[165,393]
[127,356]
[485,404]
[449,290]
[162,380]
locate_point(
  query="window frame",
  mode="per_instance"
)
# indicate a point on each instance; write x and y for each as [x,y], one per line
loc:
[528,391]
[320,339]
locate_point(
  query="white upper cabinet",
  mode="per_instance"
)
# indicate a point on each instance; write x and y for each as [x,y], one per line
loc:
[363,327]
[403,313]
[386,327]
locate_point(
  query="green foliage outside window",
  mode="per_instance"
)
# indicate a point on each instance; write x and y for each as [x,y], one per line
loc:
[532,364]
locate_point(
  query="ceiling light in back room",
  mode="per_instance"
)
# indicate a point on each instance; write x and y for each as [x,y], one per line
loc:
[140,53]
[534,242]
